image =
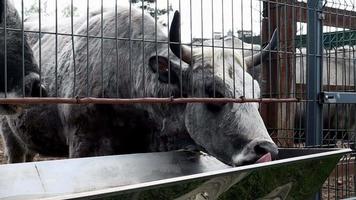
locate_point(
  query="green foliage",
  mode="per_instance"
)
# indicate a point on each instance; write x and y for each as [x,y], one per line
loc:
[34,8]
[67,11]
[150,7]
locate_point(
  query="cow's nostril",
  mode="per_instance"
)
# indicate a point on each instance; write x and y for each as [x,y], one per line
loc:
[266,147]
[260,150]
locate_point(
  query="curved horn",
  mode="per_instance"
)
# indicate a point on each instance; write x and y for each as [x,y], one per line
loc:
[261,55]
[180,51]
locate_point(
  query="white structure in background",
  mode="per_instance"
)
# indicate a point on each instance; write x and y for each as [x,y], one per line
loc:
[339,66]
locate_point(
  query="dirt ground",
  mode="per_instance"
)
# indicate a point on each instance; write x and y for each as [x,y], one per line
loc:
[345,187]
[339,188]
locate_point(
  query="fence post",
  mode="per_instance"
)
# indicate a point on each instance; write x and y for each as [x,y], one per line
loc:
[314,74]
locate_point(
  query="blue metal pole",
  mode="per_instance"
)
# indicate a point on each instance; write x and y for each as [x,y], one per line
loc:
[314,69]
[314,75]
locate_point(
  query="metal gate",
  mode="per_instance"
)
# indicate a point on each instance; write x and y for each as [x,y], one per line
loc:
[318,68]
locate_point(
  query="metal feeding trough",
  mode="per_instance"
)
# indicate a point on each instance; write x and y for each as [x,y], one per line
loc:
[170,175]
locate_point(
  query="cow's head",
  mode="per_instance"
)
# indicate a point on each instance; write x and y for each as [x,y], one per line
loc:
[18,77]
[233,133]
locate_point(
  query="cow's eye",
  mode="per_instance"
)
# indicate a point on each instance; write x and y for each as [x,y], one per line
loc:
[214,107]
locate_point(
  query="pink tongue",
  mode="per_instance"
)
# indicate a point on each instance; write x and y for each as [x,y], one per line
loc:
[265,158]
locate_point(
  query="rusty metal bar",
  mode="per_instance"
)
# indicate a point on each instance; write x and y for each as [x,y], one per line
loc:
[333,16]
[117,101]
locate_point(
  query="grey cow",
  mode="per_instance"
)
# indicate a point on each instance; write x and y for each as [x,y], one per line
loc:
[233,133]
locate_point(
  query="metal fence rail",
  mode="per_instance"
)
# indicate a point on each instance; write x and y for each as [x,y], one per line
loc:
[117,101]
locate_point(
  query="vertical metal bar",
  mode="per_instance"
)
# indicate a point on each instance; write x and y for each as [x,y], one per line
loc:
[191,41]
[269,53]
[156,39]
[278,93]
[252,50]
[354,69]
[243,50]
[284,72]
[286,59]
[117,49]
[261,108]
[23,47]
[233,47]
[202,46]
[5,48]
[87,49]
[102,46]
[130,51]
[314,64]
[180,44]
[56,48]
[314,78]
[293,67]
[260,5]
[213,44]
[336,56]
[223,41]
[168,46]
[293,72]
[343,71]
[40,42]
[73,46]
[143,50]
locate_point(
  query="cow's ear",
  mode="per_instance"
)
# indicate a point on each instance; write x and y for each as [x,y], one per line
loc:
[166,70]
[33,86]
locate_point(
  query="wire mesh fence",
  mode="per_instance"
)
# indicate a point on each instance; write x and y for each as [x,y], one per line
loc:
[218,53]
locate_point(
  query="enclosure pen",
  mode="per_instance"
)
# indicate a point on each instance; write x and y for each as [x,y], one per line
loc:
[76,70]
